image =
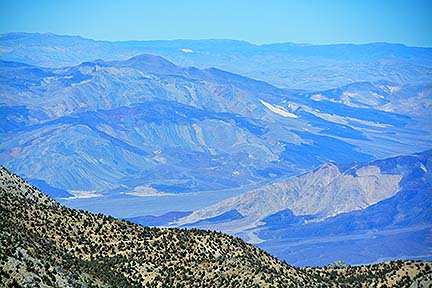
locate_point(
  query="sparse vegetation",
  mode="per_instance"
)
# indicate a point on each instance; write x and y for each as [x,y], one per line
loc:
[44,244]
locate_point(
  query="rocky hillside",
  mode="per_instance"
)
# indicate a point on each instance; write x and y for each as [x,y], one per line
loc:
[46,245]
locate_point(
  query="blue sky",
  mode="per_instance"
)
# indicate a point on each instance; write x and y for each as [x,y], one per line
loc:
[266,21]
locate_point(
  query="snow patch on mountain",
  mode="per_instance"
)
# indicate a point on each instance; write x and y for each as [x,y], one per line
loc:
[186,50]
[278,110]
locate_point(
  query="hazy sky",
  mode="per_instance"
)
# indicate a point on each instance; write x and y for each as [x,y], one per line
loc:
[266,21]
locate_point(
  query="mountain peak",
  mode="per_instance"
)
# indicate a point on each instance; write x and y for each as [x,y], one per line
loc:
[150,63]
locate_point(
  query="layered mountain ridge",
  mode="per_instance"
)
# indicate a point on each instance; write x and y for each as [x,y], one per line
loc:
[312,194]
[282,64]
[121,123]
[384,204]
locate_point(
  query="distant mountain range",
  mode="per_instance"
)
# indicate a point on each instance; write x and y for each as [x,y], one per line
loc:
[149,128]
[48,245]
[363,213]
[145,123]
[300,66]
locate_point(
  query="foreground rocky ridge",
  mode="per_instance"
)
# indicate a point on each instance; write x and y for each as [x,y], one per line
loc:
[44,244]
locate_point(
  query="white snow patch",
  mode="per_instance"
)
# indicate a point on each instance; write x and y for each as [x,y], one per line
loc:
[278,110]
[186,50]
